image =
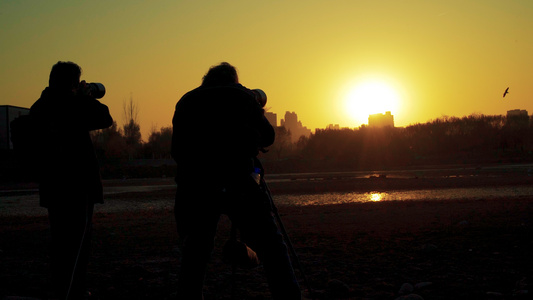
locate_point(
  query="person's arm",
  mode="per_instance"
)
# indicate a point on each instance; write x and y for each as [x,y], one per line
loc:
[96,115]
[175,135]
[267,132]
[178,129]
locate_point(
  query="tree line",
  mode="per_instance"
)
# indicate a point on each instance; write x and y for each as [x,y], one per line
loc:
[120,143]
[126,143]
[472,139]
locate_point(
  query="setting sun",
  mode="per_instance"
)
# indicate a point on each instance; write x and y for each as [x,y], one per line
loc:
[370,97]
[329,64]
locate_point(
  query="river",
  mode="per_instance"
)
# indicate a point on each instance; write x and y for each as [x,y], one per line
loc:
[28,204]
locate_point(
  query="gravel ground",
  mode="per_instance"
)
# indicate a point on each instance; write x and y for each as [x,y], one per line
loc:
[437,249]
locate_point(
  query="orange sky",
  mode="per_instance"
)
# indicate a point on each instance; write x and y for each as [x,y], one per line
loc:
[437,58]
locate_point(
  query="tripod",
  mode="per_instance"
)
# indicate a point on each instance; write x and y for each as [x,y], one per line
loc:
[266,190]
[286,236]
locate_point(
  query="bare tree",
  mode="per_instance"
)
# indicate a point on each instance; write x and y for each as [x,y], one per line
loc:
[131,111]
[131,128]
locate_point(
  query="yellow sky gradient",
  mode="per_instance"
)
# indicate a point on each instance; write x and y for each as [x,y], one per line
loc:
[449,58]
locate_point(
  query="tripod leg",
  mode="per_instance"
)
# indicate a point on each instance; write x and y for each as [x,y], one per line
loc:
[287,239]
[233,236]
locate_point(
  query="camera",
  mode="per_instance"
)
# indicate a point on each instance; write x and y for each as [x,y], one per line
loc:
[260,97]
[96,89]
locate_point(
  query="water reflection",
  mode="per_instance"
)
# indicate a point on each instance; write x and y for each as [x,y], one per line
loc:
[436,194]
[376,196]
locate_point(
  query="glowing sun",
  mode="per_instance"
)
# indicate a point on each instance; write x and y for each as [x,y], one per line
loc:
[370,97]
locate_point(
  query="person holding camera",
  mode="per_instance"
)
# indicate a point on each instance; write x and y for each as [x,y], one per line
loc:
[218,130]
[68,171]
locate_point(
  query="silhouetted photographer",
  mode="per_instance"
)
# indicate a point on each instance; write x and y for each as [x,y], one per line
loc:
[68,171]
[218,129]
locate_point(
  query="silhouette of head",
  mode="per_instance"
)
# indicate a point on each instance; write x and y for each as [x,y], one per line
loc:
[221,74]
[65,76]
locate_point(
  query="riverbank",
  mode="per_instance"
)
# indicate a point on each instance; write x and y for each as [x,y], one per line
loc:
[448,249]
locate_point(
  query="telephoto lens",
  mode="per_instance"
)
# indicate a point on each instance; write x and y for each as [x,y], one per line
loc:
[96,89]
[260,97]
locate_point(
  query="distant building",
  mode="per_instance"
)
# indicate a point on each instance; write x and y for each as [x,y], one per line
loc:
[296,128]
[272,118]
[333,127]
[517,113]
[381,120]
[8,113]
[518,116]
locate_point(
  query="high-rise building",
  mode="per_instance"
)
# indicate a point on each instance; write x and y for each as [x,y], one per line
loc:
[272,118]
[518,117]
[381,120]
[517,113]
[296,128]
[333,127]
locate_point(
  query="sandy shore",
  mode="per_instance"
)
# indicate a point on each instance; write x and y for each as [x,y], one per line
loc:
[446,249]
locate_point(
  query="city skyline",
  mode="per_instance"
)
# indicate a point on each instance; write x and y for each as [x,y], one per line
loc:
[330,63]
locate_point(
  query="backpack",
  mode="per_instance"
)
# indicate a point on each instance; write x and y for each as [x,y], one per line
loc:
[24,139]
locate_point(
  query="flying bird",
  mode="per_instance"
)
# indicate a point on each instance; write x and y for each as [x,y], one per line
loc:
[506,92]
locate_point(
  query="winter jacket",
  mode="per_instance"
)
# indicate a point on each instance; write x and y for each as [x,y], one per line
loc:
[68,168]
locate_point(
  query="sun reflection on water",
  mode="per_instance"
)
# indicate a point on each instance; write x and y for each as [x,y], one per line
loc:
[375,196]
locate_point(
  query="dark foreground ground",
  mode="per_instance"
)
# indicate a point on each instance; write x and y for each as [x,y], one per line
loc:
[450,249]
